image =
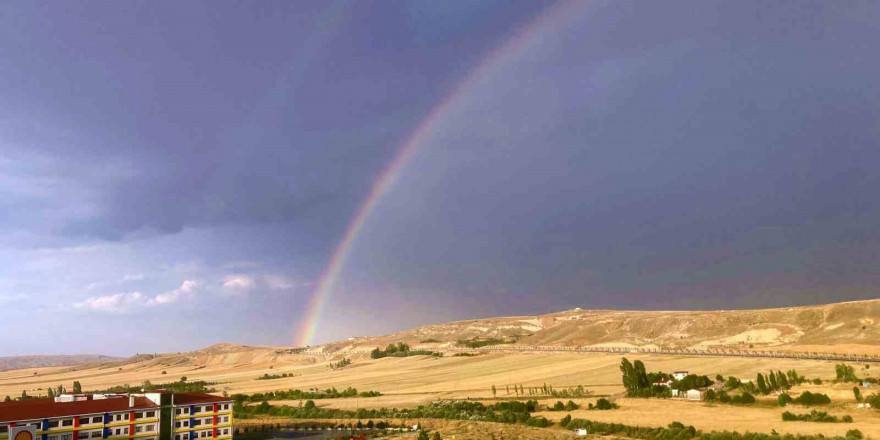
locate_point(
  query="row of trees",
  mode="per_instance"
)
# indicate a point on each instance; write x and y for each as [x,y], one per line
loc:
[401,349]
[545,390]
[502,412]
[477,343]
[806,398]
[313,394]
[268,376]
[815,416]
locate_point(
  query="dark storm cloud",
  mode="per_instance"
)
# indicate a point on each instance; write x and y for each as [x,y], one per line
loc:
[223,114]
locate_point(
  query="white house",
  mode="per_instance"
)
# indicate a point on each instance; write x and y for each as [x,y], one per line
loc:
[694,395]
[581,432]
[679,375]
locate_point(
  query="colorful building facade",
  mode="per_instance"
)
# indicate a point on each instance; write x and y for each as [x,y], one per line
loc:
[138,416]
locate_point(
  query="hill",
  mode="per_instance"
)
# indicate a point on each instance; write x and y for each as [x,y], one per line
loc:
[18,362]
[843,327]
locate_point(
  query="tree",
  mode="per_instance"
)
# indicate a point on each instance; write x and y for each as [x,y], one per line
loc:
[51,393]
[391,349]
[762,385]
[24,395]
[494,391]
[773,384]
[77,387]
[7,399]
[423,435]
[183,378]
[370,424]
[857,393]
[565,420]
[845,373]
[783,380]
[436,436]
[508,390]
[310,404]
[60,390]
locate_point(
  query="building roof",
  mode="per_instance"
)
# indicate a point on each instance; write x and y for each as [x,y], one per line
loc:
[195,398]
[46,408]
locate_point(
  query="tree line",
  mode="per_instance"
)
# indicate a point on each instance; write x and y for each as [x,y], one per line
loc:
[313,394]
[401,349]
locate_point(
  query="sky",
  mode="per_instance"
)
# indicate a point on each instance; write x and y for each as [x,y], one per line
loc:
[179,174]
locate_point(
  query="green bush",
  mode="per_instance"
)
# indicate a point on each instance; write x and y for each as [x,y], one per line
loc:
[538,422]
[854,434]
[815,416]
[784,399]
[603,405]
[808,399]
[565,420]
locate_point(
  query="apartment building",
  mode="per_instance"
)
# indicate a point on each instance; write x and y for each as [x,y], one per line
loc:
[159,415]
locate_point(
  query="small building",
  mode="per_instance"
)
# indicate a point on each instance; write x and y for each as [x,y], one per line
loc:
[694,395]
[679,375]
[665,383]
[866,384]
[675,393]
[581,432]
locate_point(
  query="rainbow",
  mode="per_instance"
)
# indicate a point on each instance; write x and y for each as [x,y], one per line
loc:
[389,175]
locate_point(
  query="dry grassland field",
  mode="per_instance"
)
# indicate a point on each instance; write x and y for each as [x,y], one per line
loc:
[411,381]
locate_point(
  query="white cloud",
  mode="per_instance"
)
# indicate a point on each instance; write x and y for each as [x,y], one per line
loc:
[118,303]
[238,284]
[128,302]
[185,289]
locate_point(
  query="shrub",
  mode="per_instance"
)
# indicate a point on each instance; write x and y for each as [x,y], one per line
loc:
[815,416]
[743,399]
[854,434]
[538,422]
[808,398]
[603,405]
[784,399]
[565,420]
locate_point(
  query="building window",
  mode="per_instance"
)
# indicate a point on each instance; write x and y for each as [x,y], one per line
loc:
[118,431]
[66,437]
[85,420]
[138,429]
[197,422]
[150,414]
[96,434]
[82,435]
[151,428]
[67,422]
